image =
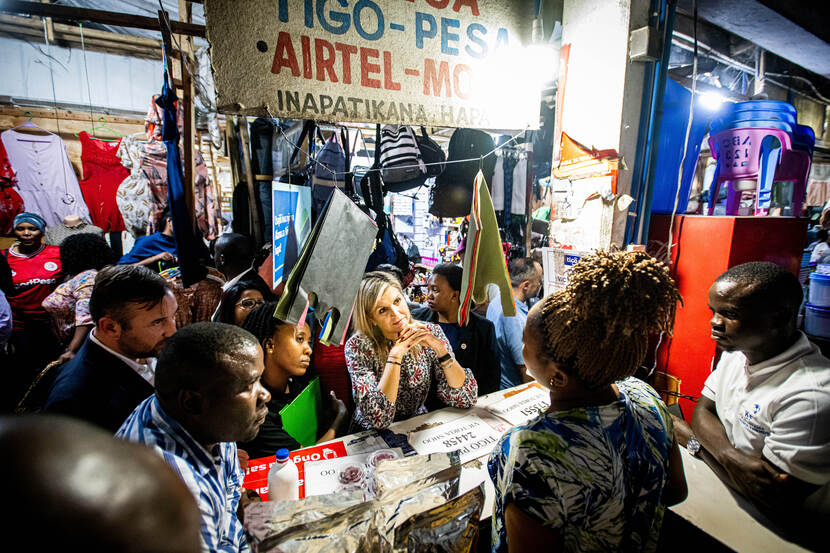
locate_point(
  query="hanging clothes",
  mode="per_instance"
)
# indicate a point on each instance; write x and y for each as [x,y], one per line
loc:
[509,189]
[262,164]
[11,204]
[103,173]
[189,245]
[518,201]
[133,196]
[153,160]
[58,233]
[45,179]
[497,186]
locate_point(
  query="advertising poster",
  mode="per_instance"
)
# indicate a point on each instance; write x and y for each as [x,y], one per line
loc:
[451,63]
[291,209]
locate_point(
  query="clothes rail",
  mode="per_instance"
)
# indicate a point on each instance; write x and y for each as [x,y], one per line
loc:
[342,173]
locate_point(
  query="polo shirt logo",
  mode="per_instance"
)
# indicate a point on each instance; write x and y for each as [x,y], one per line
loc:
[748,421]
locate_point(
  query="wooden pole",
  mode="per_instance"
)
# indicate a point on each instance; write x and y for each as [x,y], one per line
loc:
[249,176]
[31,30]
[217,189]
[187,107]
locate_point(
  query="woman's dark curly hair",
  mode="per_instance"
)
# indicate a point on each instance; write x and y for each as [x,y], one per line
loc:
[598,327]
[232,295]
[82,252]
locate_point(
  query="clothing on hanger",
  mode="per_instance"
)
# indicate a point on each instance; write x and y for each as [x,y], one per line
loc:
[11,204]
[518,200]
[153,160]
[57,233]
[45,179]
[103,173]
[497,186]
[133,195]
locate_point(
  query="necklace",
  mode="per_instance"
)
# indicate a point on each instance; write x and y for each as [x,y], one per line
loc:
[16,246]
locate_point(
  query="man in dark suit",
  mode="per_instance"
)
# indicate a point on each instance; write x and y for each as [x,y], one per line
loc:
[474,345]
[134,312]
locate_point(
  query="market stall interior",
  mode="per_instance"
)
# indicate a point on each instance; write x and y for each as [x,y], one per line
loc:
[432,275]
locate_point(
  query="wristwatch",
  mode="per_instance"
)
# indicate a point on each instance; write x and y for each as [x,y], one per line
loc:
[693,446]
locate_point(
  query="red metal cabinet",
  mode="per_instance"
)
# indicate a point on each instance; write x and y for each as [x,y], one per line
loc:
[704,247]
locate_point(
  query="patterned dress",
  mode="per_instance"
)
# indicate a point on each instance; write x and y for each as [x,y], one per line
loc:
[133,196]
[153,159]
[418,367]
[595,474]
[69,304]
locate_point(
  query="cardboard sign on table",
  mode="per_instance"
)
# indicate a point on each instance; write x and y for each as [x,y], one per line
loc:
[471,436]
[322,477]
[256,475]
[366,442]
[522,405]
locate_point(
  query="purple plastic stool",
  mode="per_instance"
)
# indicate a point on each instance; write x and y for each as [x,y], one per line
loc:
[764,155]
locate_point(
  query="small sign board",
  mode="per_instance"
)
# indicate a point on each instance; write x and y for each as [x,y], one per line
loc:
[518,408]
[557,264]
[471,436]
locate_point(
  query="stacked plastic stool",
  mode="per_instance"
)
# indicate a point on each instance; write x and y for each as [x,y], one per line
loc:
[760,141]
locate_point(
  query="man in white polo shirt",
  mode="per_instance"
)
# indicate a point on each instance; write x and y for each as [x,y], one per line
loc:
[764,414]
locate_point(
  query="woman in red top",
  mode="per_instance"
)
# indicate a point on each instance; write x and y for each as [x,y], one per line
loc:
[35,271]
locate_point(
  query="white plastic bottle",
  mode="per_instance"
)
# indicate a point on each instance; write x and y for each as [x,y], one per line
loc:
[283,478]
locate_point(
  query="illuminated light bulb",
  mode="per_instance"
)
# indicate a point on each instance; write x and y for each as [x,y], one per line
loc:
[711,100]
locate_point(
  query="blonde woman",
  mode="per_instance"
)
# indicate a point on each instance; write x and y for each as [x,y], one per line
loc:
[391,358]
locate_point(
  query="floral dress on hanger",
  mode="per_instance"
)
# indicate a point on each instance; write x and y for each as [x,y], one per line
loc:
[133,197]
[154,164]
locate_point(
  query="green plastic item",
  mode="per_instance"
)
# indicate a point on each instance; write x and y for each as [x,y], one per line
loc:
[299,418]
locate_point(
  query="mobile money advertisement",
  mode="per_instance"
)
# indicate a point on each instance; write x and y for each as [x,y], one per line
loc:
[451,63]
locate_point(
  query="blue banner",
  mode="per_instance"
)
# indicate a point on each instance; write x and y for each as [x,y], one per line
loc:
[291,217]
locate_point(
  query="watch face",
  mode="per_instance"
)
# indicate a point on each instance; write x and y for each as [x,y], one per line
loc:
[693,446]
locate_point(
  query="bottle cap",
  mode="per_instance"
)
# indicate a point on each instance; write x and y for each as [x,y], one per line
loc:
[282,454]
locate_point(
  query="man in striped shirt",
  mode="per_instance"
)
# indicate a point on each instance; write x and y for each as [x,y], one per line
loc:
[208,397]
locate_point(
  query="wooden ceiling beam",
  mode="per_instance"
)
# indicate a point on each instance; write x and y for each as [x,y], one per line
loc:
[31,30]
[70,13]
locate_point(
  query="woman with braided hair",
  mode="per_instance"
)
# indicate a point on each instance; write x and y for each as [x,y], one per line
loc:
[287,356]
[596,470]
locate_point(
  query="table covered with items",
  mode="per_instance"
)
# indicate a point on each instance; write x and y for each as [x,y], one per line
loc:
[425,481]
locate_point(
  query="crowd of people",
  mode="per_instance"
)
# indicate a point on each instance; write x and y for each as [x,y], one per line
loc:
[102,347]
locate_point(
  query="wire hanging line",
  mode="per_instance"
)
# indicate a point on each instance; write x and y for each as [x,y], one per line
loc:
[314,162]
[51,76]
[86,73]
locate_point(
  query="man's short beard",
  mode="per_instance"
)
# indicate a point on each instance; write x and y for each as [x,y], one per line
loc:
[134,354]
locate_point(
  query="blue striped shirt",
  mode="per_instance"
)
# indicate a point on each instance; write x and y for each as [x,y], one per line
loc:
[215,479]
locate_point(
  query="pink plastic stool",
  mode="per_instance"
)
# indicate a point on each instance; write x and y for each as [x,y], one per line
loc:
[764,155]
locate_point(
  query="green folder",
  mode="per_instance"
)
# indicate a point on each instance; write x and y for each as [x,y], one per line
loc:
[299,418]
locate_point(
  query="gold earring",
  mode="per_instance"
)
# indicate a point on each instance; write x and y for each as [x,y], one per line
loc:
[551,382]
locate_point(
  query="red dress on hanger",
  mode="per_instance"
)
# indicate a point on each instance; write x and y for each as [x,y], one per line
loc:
[103,174]
[11,204]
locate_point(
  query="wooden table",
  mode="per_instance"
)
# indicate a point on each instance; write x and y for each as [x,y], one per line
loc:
[725,516]
[711,507]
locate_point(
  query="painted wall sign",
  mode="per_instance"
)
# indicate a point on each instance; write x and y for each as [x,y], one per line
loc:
[457,63]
